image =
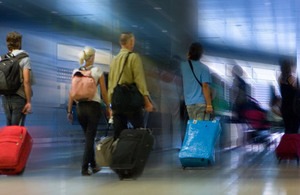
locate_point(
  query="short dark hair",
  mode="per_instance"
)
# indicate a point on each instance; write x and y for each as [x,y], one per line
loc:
[286,65]
[196,51]
[13,40]
[125,37]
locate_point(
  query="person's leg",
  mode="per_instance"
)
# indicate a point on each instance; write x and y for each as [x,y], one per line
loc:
[288,122]
[120,123]
[91,131]
[136,119]
[294,124]
[7,109]
[17,105]
[82,111]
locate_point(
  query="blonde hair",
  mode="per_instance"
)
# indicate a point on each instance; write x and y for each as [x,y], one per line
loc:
[125,38]
[86,55]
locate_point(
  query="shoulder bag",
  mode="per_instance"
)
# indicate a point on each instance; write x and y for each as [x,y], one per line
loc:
[126,97]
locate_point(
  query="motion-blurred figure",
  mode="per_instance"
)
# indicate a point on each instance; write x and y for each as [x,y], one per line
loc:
[274,114]
[219,103]
[239,93]
[288,88]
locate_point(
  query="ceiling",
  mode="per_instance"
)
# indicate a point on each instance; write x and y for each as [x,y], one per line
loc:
[265,28]
[259,30]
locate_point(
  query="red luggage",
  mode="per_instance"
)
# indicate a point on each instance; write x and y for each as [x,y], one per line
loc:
[289,147]
[257,119]
[15,147]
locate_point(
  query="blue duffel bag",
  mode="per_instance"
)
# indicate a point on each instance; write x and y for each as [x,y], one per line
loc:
[198,147]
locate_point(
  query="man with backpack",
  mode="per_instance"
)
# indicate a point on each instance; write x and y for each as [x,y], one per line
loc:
[16,92]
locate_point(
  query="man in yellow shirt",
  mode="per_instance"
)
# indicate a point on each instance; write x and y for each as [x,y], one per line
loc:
[132,73]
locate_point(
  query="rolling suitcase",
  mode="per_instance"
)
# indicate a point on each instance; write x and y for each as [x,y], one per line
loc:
[15,147]
[289,147]
[198,147]
[132,151]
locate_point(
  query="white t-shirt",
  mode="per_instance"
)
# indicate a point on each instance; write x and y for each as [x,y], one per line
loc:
[96,74]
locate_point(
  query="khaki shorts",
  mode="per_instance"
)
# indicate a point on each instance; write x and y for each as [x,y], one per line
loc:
[197,112]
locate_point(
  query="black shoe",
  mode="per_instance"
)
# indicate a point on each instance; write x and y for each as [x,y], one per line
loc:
[86,173]
[96,169]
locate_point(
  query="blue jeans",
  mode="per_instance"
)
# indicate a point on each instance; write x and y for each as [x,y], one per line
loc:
[13,106]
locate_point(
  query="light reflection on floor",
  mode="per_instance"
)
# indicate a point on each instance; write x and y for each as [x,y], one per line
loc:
[253,169]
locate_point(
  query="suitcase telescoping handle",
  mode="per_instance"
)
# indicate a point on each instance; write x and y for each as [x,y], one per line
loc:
[22,119]
[146,117]
[211,117]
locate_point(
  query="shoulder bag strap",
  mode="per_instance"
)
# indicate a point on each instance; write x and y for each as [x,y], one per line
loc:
[123,67]
[191,65]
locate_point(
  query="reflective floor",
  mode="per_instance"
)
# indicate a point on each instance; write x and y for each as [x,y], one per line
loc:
[54,169]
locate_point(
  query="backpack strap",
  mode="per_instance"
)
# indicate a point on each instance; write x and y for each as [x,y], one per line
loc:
[86,68]
[19,56]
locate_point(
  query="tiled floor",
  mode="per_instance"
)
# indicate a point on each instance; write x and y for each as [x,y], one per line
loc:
[54,169]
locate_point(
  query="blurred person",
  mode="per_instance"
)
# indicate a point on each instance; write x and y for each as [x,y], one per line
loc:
[18,105]
[133,72]
[239,93]
[171,97]
[219,103]
[288,88]
[197,97]
[89,112]
[274,114]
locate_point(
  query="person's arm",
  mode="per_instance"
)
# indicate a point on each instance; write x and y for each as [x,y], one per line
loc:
[27,88]
[276,111]
[148,105]
[206,93]
[140,81]
[70,113]
[292,81]
[104,95]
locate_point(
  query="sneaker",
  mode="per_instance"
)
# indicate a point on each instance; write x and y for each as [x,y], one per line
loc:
[86,173]
[96,169]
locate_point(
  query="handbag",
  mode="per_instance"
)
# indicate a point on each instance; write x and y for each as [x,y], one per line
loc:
[104,149]
[126,97]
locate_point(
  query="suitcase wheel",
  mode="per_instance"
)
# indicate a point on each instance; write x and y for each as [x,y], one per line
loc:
[21,172]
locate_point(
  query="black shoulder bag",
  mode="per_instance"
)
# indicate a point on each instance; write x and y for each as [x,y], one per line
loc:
[126,97]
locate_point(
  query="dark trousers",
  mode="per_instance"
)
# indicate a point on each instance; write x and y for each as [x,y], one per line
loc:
[121,120]
[291,121]
[89,113]
[13,106]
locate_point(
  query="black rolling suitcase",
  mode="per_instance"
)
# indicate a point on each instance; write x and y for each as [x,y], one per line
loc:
[132,152]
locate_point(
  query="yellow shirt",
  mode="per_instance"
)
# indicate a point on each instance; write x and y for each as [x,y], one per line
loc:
[133,72]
